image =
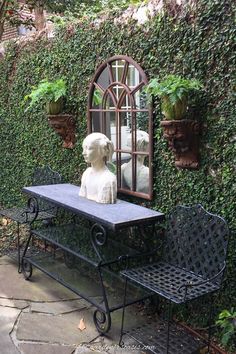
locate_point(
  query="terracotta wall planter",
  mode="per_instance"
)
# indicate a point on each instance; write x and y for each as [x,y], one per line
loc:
[64,125]
[183,140]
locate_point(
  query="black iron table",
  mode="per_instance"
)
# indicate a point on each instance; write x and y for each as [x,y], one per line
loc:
[90,252]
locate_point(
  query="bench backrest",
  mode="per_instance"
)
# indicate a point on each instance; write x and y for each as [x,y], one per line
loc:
[196,241]
[45,175]
[42,176]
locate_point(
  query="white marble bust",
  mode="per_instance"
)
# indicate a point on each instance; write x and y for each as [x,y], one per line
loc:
[98,183]
[142,171]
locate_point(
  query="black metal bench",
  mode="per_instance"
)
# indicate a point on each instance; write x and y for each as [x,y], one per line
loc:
[192,265]
[36,209]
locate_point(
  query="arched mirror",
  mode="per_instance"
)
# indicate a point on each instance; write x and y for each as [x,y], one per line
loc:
[118,107]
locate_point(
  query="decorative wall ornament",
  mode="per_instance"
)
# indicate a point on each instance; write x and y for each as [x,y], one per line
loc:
[183,140]
[64,125]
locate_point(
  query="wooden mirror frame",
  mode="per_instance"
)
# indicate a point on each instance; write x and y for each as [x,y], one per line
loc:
[133,110]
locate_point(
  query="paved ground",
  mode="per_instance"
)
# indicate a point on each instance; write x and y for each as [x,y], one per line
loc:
[42,317]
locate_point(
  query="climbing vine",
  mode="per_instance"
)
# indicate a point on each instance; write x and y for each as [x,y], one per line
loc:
[199,45]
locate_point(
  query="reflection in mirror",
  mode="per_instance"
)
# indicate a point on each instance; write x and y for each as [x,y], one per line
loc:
[133,77]
[104,79]
[96,120]
[110,128]
[125,117]
[142,169]
[125,101]
[126,171]
[118,90]
[125,129]
[142,141]
[117,70]
[142,174]
[142,121]
[110,101]
[97,99]
[140,98]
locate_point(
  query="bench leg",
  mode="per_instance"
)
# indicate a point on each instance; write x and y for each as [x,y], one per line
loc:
[210,323]
[168,326]
[123,314]
[18,247]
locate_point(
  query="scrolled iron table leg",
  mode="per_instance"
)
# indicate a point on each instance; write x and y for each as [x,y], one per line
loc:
[102,321]
[27,269]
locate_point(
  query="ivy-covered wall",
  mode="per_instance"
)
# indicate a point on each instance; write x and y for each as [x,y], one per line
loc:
[200,45]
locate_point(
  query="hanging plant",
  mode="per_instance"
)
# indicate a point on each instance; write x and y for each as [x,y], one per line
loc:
[50,92]
[181,134]
[173,92]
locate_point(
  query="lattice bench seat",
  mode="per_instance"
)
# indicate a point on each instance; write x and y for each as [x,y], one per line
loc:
[19,215]
[169,281]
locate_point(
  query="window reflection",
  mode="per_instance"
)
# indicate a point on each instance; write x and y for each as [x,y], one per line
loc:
[138,180]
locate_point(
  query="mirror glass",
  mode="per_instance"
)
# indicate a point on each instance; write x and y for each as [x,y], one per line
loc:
[118,107]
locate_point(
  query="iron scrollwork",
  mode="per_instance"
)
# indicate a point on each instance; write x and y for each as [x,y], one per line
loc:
[98,237]
[32,210]
[102,321]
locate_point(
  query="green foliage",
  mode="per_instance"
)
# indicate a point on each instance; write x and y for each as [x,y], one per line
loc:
[198,45]
[112,167]
[174,87]
[90,9]
[227,323]
[47,91]
[173,92]
[75,9]
[97,97]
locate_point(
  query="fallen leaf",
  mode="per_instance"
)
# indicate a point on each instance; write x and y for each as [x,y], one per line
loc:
[4,222]
[81,325]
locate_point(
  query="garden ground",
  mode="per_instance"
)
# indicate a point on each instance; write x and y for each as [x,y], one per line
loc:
[41,316]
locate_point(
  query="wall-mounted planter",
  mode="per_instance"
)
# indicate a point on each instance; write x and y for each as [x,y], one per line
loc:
[64,125]
[183,140]
[53,108]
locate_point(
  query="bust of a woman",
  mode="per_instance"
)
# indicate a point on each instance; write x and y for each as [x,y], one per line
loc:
[98,183]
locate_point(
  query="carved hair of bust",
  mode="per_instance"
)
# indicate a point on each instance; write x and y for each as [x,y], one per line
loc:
[142,171]
[98,183]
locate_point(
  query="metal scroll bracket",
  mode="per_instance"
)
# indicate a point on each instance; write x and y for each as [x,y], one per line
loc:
[32,210]
[98,237]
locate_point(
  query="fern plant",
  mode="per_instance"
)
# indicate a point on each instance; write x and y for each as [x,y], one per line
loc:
[47,91]
[173,92]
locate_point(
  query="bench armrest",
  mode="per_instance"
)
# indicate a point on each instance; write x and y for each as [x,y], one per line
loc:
[126,258]
[191,285]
